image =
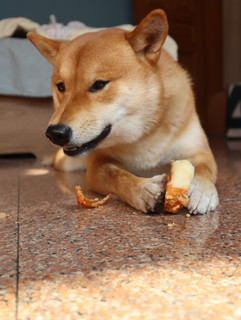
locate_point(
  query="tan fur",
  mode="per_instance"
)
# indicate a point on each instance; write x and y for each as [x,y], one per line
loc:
[149,103]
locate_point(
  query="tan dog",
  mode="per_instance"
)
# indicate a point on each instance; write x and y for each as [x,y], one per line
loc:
[123,101]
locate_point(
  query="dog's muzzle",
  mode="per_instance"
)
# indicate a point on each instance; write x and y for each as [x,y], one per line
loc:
[61,134]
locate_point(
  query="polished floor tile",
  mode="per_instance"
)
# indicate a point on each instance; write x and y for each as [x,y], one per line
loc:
[8,240]
[61,261]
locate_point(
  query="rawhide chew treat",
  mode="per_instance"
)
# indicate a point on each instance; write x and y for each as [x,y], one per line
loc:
[176,197]
[89,203]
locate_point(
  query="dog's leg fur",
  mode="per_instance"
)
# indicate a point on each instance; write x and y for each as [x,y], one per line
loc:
[105,176]
[64,163]
[203,194]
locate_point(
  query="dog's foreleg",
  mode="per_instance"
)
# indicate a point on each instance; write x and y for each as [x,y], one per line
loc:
[105,176]
[64,163]
[203,194]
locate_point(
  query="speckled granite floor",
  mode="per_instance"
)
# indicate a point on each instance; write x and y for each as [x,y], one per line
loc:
[60,261]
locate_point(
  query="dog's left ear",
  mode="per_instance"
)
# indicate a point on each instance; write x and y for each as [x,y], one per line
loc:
[148,37]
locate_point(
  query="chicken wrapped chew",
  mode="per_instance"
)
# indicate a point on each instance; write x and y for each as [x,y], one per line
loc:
[179,181]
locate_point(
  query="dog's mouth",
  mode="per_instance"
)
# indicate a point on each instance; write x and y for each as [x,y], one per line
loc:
[87,147]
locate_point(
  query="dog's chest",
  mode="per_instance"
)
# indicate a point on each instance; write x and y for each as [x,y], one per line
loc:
[143,158]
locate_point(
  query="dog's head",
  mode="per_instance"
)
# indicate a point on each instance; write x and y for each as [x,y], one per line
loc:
[104,85]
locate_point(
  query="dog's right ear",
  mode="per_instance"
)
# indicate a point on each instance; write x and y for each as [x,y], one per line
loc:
[48,48]
[148,37]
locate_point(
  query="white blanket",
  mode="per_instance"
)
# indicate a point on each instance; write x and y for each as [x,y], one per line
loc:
[24,71]
[52,30]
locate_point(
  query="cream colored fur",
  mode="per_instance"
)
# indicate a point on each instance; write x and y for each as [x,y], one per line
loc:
[149,104]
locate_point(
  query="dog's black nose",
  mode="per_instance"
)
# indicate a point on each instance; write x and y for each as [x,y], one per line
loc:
[59,134]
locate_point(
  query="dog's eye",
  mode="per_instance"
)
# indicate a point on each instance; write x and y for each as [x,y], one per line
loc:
[60,86]
[98,85]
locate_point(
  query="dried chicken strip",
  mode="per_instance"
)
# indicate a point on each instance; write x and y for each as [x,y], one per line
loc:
[88,203]
[176,197]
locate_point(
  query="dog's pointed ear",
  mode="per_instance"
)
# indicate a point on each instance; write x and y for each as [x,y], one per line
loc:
[148,37]
[48,48]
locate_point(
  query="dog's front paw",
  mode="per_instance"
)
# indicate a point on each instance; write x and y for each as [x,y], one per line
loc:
[151,194]
[203,196]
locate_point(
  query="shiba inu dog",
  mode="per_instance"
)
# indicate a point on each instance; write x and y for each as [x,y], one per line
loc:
[123,102]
